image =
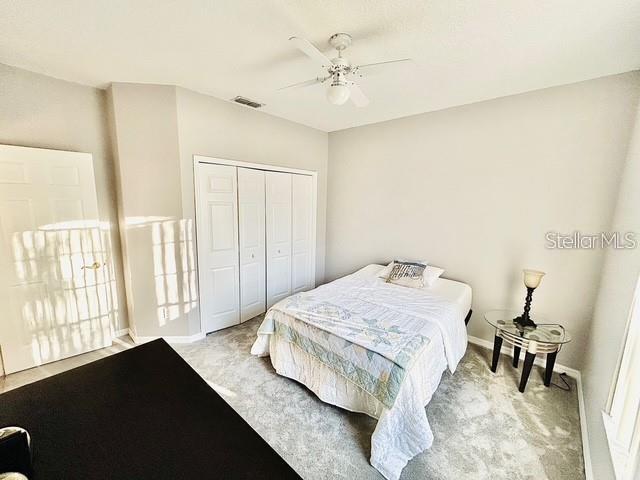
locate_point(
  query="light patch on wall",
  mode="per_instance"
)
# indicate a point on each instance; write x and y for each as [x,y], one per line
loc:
[140,221]
[174,268]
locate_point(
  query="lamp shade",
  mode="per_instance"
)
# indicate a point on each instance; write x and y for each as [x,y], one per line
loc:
[338,93]
[532,278]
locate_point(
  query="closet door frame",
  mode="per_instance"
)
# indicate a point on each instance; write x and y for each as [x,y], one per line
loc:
[197,159]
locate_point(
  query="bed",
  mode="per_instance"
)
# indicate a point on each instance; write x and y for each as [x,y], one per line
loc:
[372,347]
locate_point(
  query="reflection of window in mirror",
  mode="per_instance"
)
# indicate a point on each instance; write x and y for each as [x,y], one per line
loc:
[621,418]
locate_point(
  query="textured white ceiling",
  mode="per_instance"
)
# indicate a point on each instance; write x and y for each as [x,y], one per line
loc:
[464,51]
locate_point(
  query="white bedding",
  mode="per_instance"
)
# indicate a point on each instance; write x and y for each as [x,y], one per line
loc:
[403,430]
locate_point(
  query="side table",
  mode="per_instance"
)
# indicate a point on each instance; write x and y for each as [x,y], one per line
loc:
[546,338]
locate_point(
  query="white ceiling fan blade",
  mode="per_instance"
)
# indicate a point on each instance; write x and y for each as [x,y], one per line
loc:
[306,47]
[379,67]
[306,83]
[357,96]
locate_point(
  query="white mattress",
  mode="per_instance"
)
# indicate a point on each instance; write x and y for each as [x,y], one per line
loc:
[455,292]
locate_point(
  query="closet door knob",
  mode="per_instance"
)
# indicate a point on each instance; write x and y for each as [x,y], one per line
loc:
[252,255]
[278,251]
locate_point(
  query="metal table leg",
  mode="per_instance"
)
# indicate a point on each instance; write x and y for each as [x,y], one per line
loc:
[526,370]
[497,345]
[551,360]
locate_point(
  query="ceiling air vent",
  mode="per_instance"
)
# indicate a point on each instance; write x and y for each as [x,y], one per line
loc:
[247,102]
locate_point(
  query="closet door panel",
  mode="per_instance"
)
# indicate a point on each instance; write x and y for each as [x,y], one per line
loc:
[278,217]
[280,286]
[218,268]
[302,245]
[251,201]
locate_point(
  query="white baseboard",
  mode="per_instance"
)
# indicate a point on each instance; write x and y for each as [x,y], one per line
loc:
[121,333]
[571,372]
[539,361]
[586,450]
[167,338]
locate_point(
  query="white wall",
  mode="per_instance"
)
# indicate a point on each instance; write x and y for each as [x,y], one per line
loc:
[158,129]
[619,277]
[145,132]
[474,189]
[43,112]
[215,128]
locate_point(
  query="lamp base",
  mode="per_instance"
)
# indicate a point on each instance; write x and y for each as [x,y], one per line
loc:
[525,322]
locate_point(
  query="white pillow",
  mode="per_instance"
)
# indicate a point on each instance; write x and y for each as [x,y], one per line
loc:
[386,271]
[430,274]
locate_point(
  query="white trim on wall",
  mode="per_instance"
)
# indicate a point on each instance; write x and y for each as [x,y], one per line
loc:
[571,372]
[122,333]
[620,417]
[256,166]
[169,339]
[586,449]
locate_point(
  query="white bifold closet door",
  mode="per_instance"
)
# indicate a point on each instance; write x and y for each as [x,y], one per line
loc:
[218,265]
[302,260]
[251,219]
[278,218]
[256,240]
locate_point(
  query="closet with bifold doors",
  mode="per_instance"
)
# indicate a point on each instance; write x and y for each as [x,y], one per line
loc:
[255,232]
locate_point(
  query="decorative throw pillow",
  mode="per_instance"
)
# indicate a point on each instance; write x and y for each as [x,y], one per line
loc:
[386,271]
[430,275]
[407,274]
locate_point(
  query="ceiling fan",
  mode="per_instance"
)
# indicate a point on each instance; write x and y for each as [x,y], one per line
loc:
[339,70]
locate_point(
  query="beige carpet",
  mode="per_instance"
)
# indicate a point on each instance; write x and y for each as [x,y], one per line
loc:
[484,428]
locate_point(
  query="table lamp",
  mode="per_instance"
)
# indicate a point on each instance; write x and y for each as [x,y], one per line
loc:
[532,279]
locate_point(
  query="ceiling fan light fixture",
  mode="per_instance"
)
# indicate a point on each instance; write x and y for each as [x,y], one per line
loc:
[338,93]
[340,70]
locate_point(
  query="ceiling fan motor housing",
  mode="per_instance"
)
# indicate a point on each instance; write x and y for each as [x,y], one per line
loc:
[340,41]
[339,70]
[338,78]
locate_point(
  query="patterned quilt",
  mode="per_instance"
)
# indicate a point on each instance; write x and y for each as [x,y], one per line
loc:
[367,332]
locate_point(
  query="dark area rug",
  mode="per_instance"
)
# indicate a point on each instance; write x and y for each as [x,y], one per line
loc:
[140,414]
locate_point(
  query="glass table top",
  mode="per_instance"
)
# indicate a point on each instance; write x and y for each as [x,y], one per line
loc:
[545,332]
